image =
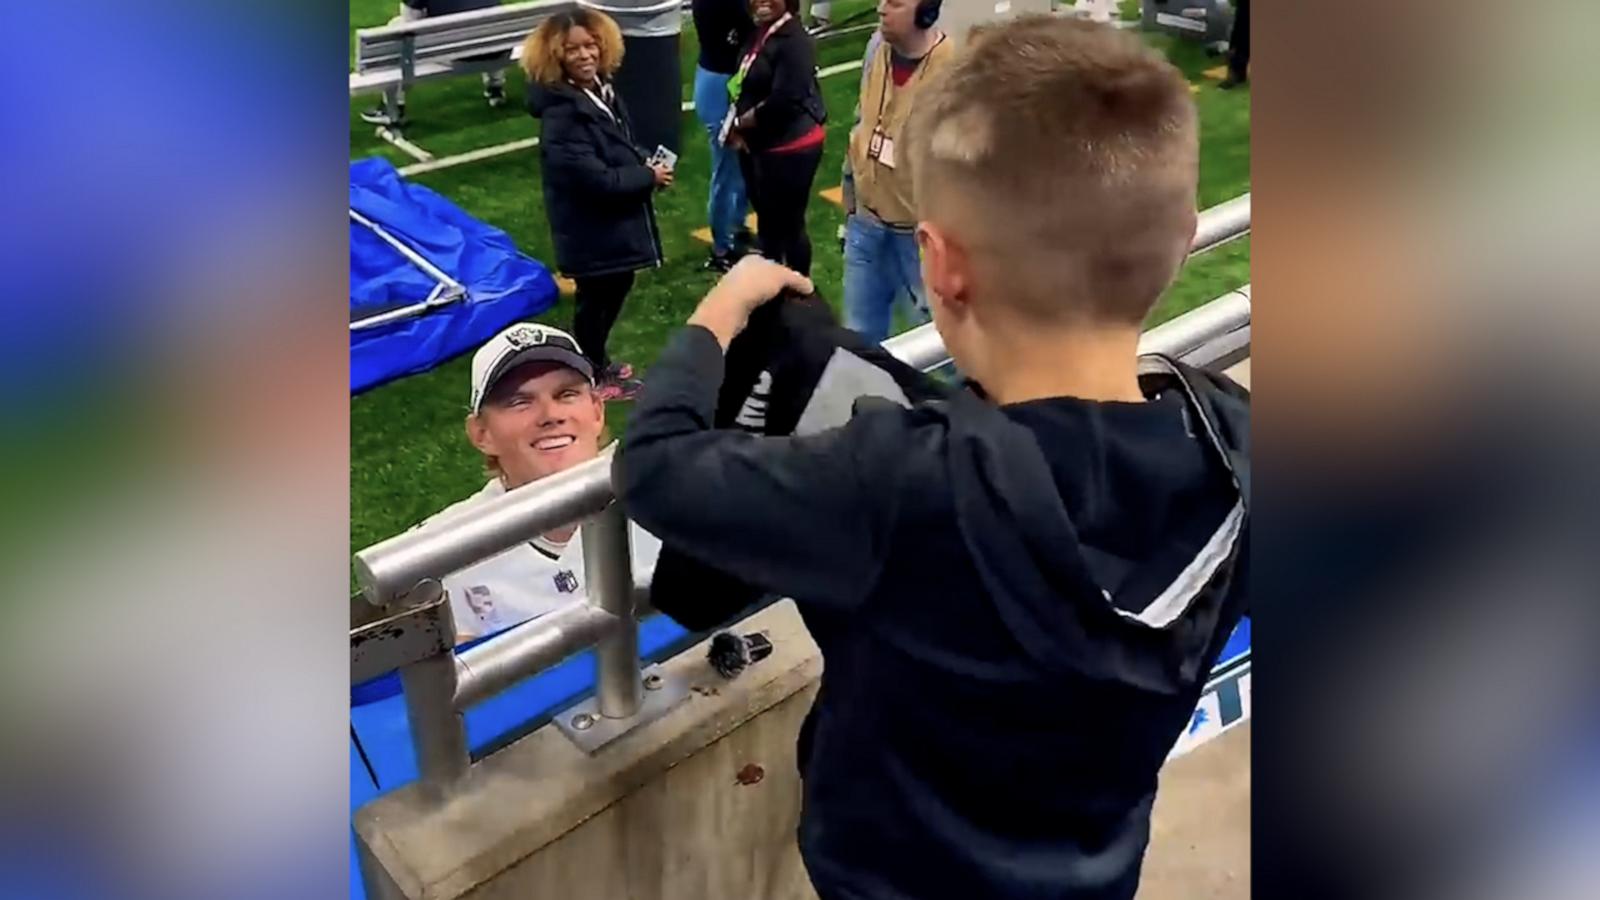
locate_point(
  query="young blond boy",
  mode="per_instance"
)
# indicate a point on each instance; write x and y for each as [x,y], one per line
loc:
[1018,591]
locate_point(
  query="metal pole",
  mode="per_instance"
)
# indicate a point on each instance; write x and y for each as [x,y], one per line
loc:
[394,566]
[437,732]
[1221,223]
[608,574]
[922,348]
[438,297]
[1199,326]
[404,249]
[530,648]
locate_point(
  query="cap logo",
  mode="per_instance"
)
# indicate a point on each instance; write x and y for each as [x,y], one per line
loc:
[524,336]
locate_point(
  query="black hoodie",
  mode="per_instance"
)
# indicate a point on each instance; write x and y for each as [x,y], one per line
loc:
[1017,608]
[781,87]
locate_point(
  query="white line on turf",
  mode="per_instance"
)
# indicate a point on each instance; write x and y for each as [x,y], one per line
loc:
[410,149]
[473,156]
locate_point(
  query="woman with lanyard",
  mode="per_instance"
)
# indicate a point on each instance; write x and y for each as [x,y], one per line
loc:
[776,123]
[598,183]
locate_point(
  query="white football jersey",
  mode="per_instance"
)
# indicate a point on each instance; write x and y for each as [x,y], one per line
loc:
[528,580]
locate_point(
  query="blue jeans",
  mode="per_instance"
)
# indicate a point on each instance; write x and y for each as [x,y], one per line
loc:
[880,265]
[727,206]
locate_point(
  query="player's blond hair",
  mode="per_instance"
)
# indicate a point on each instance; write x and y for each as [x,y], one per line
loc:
[1065,155]
[545,48]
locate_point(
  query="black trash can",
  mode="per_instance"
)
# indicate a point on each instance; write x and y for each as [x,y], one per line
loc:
[650,79]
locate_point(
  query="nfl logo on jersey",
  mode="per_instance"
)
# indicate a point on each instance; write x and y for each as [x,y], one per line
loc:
[566,582]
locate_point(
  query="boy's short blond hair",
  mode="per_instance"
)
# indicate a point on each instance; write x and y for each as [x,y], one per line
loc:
[1065,156]
[544,49]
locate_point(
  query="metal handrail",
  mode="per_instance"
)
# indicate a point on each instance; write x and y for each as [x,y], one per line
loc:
[389,569]
[922,347]
[440,684]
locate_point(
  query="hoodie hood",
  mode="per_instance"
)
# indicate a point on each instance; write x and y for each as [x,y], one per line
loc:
[544,97]
[1123,572]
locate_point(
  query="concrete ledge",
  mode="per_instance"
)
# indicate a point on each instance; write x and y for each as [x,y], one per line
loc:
[1200,830]
[1240,372]
[703,804]
[483,841]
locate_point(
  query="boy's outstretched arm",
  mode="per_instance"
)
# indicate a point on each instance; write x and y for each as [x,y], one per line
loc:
[803,516]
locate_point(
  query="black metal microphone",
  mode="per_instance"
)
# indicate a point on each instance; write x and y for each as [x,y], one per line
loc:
[731,654]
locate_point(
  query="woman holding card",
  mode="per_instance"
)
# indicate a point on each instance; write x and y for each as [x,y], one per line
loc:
[598,184]
[776,122]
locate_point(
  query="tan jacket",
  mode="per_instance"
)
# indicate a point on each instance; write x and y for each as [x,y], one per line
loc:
[882,190]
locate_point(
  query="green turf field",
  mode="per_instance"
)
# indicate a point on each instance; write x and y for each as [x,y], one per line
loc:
[408,455]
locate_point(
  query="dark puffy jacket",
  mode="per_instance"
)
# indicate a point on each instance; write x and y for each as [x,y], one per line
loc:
[781,87]
[597,188]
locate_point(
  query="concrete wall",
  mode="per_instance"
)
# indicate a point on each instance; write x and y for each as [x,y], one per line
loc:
[1200,830]
[703,803]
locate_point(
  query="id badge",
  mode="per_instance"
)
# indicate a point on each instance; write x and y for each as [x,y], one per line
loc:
[880,147]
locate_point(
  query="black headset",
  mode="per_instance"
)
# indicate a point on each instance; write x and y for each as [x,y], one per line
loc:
[928,13]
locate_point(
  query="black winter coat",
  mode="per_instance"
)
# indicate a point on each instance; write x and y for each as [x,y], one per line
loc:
[781,87]
[597,188]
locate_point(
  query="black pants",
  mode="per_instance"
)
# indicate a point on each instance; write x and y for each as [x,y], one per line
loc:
[599,302]
[1239,42]
[779,187]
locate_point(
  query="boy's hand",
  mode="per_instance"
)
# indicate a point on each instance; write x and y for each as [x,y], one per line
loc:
[753,281]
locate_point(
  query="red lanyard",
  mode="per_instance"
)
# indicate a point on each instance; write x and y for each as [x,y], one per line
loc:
[744,65]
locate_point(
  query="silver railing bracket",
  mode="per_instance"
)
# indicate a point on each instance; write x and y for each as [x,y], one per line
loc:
[420,628]
[585,726]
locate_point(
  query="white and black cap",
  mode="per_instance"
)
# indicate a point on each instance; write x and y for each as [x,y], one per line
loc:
[523,342]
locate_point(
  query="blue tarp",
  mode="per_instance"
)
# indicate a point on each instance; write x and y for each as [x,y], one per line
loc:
[503,285]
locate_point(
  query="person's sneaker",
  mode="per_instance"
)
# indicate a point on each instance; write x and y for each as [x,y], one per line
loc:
[616,382]
[719,262]
[617,371]
[619,390]
[744,242]
[495,94]
[378,115]
[1231,82]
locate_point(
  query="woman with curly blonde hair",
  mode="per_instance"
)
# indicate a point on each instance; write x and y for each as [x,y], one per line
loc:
[598,183]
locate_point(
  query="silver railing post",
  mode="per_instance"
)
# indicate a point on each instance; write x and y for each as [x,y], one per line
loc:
[416,635]
[608,576]
[437,731]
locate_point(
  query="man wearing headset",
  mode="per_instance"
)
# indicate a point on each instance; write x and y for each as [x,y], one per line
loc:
[880,251]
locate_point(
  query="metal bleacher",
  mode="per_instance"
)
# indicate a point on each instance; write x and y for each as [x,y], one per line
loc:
[481,40]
